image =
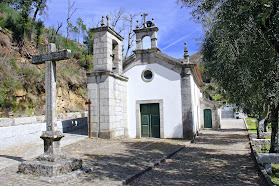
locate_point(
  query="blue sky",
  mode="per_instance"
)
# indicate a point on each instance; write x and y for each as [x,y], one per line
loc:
[175,24]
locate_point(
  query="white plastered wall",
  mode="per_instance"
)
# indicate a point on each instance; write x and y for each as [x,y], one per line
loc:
[165,86]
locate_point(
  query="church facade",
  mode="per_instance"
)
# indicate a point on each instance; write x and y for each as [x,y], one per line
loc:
[149,94]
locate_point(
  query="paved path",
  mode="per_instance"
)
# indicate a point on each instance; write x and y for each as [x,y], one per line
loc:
[108,162]
[216,158]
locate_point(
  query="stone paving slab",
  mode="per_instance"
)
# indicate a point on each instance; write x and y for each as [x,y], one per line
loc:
[215,158]
[107,162]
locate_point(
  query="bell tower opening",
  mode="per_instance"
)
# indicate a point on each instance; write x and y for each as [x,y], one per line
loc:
[115,55]
[146,42]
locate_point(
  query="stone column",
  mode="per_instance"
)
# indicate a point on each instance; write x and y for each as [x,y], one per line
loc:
[187,112]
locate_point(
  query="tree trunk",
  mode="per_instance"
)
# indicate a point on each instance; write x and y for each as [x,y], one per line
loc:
[274,146]
[33,21]
[260,129]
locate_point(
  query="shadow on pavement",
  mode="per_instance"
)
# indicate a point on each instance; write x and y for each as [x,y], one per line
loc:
[126,159]
[19,159]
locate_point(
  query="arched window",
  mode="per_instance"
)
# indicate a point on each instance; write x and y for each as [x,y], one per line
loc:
[114,54]
[146,42]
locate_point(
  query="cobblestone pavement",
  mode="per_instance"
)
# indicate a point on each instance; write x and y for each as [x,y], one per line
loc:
[107,162]
[216,158]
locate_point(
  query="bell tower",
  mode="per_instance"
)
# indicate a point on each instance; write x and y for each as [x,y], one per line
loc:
[149,29]
[107,87]
[107,48]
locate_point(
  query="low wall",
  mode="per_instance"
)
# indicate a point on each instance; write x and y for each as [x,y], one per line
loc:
[262,171]
[23,130]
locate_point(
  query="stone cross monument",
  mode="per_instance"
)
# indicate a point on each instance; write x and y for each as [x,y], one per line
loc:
[51,137]
[52,162]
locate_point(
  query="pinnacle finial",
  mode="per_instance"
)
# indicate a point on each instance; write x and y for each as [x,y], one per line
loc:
[103,21]
[186,55]
[108,20]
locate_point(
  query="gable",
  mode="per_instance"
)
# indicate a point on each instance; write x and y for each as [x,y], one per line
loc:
[155,56]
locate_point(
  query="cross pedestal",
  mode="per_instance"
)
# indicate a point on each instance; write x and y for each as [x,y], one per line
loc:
[52,162]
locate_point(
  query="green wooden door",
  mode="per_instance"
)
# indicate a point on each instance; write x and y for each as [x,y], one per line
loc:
[150,120]
[207,118]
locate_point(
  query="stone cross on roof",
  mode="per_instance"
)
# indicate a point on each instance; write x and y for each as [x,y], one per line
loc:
[144,19]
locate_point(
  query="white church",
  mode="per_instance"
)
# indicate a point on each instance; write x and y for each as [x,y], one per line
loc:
[149,94]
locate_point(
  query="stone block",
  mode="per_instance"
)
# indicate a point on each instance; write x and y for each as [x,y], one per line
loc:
[6,122]
[105,111]
[104,126]
[106,135]
[24,120]
[50,169]
[268,158]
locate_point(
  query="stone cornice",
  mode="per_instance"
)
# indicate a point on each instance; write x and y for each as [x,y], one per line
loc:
[107,73]
[108,29]
[148,29]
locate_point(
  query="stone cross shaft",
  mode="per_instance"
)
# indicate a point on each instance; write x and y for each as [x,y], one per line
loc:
[51,136]
[50,58]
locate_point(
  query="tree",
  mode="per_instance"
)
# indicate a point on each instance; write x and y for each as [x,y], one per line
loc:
[241,52]
[116,17]
[40,6]
[81,27]
[76,32]
[26,7]
[71,11]
[131,34]
[88,40]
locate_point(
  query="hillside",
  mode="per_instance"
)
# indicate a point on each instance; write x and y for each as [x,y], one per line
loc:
[210,89]
[22,83]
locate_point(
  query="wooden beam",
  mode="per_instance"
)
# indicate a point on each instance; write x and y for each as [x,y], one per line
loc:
[53,56]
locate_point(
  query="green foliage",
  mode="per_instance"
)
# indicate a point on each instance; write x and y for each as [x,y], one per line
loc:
[241,52]
[88,41]
[275,174]
[39,31]
[252,124]
[31,105]
[87,62]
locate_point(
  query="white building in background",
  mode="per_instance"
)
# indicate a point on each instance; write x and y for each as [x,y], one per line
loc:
[149,94]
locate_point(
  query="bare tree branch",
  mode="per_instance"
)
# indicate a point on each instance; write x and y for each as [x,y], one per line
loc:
[131,34]
[70,14]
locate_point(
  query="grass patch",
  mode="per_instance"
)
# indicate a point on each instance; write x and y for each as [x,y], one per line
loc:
[275,174]
[252,124]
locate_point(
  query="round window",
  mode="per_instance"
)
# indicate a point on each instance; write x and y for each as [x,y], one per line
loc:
[147,75]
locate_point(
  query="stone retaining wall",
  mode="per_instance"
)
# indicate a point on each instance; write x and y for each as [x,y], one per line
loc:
[23,130]
[262,171]
[6,122]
